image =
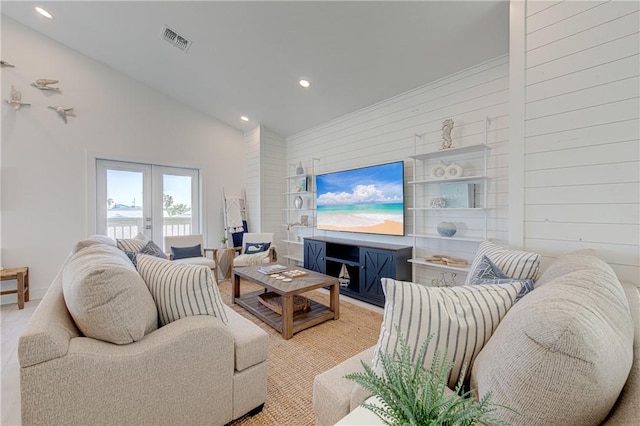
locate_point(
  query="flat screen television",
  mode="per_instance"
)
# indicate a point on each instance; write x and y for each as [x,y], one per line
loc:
[368,199]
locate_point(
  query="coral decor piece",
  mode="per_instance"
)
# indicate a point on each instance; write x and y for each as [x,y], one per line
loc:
[43,84]
[447,126]
[6,64]
[63,112]
[16,99]
[438,203]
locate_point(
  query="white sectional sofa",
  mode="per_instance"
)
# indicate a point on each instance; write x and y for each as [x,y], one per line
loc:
[566,354]
[194,370]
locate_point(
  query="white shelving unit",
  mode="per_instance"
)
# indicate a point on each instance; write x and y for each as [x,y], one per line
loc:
[294,229]
[426,187]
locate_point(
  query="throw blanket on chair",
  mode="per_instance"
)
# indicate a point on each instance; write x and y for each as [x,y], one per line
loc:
[233,213]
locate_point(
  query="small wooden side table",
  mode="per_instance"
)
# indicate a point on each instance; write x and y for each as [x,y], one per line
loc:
[224,262]
[21,275]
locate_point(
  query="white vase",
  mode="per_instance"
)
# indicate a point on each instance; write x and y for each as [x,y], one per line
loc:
[447,229]
[453,170]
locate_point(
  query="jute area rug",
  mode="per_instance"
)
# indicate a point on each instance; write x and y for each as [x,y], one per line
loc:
[292,364]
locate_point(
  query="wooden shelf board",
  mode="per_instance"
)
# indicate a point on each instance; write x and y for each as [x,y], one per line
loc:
[440,237]
[299,176]
[458,179]
[350,262]
[297,259]
[451,151]
[299,193]
[448,209]
[437,265]
[301,320]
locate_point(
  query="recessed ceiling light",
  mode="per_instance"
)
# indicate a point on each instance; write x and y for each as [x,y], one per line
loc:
[43,12]
[304,83]
[244,118]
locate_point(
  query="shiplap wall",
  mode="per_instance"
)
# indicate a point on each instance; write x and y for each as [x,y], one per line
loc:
[266,167]
[273,172]
[252,178]
[581,130]
[385,132]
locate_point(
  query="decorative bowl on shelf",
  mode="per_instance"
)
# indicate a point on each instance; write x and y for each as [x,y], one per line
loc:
[447,229]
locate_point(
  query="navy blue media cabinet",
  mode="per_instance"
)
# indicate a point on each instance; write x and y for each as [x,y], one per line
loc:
[366,262]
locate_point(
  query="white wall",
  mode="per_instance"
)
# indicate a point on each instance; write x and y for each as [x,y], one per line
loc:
[580,67]
[385,132]
[46,179]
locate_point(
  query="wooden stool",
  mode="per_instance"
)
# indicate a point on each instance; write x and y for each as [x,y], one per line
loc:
[21,275]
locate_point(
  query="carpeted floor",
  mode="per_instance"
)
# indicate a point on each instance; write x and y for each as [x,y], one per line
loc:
[294,363]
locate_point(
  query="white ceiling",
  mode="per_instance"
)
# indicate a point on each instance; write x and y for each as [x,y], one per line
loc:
[246,57]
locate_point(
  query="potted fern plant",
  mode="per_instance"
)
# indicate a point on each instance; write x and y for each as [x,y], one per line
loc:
[412,395]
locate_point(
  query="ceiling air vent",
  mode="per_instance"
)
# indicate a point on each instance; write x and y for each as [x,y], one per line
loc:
[175,39]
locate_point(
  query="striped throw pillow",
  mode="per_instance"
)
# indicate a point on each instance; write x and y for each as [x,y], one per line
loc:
[460,319]
[136,243]
[516,264]
[180,290]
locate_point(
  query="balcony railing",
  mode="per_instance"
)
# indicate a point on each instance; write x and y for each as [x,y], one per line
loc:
[129,227]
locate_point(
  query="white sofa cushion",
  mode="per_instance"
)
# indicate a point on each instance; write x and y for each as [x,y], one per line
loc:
[252,259]
[181,290]
[460,319]
[202,261]
[106,296]
[517,264]
[562,354]
[92,240]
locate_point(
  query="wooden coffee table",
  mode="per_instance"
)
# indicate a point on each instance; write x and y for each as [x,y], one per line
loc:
[289,322]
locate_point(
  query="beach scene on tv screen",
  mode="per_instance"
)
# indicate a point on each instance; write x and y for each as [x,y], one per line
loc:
[369,199]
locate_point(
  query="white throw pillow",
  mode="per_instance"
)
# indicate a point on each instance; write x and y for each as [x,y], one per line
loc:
[517,264]
[181,290]
[106,297]
[460,319]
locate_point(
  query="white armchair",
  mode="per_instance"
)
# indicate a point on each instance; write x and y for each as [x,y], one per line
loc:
[254,239]
[186,241]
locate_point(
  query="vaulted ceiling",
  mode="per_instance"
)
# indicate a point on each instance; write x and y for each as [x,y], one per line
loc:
[246,58]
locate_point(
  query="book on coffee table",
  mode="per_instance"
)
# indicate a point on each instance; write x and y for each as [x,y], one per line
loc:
[272,269]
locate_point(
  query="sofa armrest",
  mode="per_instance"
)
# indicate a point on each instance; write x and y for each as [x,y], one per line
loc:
[185,331]
[251,342]
[627,408]
[333,395]
[49,330]
[193,356]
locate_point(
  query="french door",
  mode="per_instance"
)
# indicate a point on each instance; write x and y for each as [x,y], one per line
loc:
[156,201]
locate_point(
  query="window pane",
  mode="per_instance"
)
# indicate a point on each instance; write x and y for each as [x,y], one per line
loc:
[124,203]
[177,205]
